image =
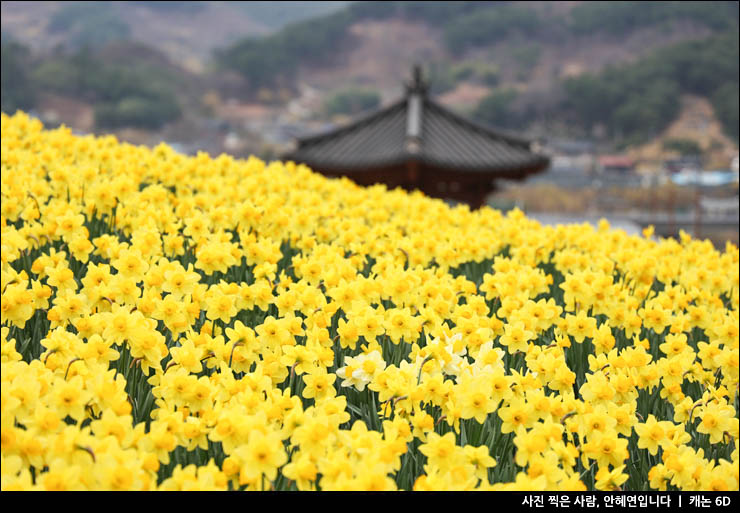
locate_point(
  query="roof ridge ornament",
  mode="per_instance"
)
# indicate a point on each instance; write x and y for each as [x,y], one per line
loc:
[415,92]
[416,85]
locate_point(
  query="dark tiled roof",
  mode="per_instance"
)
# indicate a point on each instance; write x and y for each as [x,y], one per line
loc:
[444,140]
[376,140]
[449,140]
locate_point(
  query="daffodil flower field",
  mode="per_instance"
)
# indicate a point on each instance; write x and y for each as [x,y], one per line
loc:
[173,322]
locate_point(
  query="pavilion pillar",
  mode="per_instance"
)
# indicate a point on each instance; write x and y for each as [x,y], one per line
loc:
[412,173]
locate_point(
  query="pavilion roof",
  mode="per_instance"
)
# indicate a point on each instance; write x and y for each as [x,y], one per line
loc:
[418,128]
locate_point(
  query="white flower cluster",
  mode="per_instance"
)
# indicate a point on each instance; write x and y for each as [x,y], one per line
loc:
[358,371]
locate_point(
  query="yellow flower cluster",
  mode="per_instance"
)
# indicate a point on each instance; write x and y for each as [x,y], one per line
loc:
[174,322]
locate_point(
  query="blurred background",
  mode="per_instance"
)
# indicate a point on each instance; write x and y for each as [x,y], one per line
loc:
[636,103]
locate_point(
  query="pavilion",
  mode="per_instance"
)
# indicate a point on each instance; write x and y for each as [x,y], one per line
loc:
[416,143]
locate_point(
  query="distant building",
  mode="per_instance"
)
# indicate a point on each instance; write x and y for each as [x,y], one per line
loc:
[415,143]
[571,147]
[689,177]
[616,164]
[685,162]
[719,207]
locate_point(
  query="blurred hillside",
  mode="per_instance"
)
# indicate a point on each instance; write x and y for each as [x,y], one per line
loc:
[187,32]
[248,76]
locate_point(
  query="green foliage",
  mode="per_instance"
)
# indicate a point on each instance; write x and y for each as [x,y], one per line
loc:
[6,37]
[71,75]
[373,10]
[352,100]
[441,78]
[273,60]
[478,71]
[496,109]
[490,76]
[136,111]
[16,89]
[646,111]
[527,55]
[183,6]
[139,95]
[270,61]
[682,146]
[434,13]
[89,23]
[489,26]
[725,103]
[637,100]
[278,14]
[700,66]
[265,62]
[623,17]
[464,71]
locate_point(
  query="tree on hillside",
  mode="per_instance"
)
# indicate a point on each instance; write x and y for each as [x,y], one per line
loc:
[351,101]
[637,100]
[89,23]
[17,90]
[496,109]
